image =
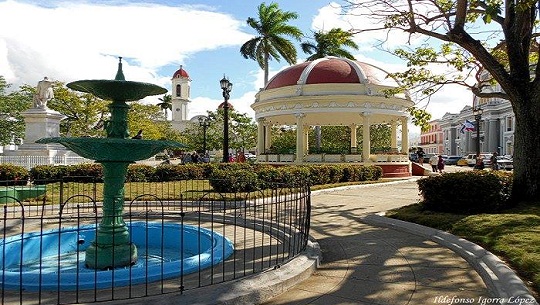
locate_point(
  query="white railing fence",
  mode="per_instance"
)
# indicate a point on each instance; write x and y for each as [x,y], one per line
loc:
[31,161]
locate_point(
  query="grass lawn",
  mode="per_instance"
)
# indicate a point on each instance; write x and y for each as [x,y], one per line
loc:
[186,189]
[512,235]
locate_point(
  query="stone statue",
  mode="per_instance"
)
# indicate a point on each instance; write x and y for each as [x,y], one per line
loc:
[44,93]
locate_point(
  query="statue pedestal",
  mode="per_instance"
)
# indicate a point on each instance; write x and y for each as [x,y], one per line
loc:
[40,123]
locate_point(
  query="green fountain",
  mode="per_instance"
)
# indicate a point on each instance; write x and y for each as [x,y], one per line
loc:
[112,247]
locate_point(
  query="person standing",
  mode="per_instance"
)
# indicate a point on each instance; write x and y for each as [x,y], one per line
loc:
[440,164]
[434,161]
[493,159]
[420,153]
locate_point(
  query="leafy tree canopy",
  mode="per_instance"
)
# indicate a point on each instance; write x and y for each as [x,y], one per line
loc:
[477,44]
[11,106]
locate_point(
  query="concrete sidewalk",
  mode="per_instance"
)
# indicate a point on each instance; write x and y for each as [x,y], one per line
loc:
[370,260]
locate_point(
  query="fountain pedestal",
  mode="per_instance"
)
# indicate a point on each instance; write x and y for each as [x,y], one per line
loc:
[113,247]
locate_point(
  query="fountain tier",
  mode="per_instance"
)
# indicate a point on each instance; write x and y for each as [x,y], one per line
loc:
[112,247]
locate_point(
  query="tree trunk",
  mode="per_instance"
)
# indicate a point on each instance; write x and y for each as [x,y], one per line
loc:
[526,185]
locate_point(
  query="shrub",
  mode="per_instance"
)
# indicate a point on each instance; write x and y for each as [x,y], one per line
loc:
[234,180]
[42,174]
[169,172]
[17,174]
[268,176]
[294,176]
[140,173]
[468,192]
[319,174]
[84,172]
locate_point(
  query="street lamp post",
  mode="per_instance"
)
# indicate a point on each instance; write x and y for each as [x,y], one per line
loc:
[477,112]
[226,86]
[204,123]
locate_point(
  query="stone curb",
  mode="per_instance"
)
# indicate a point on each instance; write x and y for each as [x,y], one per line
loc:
[349,187]
[500,280]
[248,290]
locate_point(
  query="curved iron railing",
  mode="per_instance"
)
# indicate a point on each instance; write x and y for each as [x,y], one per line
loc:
[268,228]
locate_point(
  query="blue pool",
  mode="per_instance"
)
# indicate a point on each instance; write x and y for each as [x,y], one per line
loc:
[164,251]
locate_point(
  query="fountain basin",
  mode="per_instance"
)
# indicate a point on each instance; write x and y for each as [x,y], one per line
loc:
[165,251]
[117,90]
[113,149]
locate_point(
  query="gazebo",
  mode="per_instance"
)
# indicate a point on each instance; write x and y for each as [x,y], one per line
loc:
[333,91]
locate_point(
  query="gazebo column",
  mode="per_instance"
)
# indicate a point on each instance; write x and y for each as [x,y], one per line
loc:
[354,148]
[404,135]
[299,137]
[267,136]
[260,136]
[366,145]
[306,140]
[393,136]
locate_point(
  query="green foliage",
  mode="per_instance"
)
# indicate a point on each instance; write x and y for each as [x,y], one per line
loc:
[242,132]
[39,174]
[272,28]
[150,119]
[166,103]
[140,173]
[85,113]
[171,172]
[84,172]
[11,106]
[241,176]
[295,175]
[331,43]
[477,192]
[18,174]
[420,117]
[269,176]
[233,180]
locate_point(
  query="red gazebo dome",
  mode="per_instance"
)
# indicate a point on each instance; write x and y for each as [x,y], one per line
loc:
[331,70]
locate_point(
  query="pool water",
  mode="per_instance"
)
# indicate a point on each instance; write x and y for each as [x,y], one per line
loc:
[164,251]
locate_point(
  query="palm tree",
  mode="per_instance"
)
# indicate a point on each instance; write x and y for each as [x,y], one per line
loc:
[330,44]
[166,103]
[270,43]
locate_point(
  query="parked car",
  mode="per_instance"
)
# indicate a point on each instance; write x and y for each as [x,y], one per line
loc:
[451,160]
[462,162]
[471,159]
[250,156]
[505,163]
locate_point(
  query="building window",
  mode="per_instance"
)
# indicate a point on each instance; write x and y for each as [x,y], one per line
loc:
[509,123]
[178,90]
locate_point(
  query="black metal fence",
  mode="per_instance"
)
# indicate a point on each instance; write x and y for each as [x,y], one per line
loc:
[267,229]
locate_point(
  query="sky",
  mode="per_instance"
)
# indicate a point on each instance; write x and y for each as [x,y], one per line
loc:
[73,40]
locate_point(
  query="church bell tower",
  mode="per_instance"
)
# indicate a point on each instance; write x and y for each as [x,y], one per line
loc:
[181,86]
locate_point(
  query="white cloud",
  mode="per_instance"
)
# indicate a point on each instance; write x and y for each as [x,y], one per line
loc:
[335,15]
[83,40]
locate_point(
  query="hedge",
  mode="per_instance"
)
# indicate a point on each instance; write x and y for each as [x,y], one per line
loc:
[261,176]
[469,192]
[13,175]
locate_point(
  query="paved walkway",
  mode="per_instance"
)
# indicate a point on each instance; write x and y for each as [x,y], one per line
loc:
[367,264]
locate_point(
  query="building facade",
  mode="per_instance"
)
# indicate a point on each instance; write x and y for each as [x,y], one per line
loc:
[432,139]
[496,123]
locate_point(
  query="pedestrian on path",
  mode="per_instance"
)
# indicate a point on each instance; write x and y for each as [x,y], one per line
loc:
[420,153]
[433,161]
[440,164]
